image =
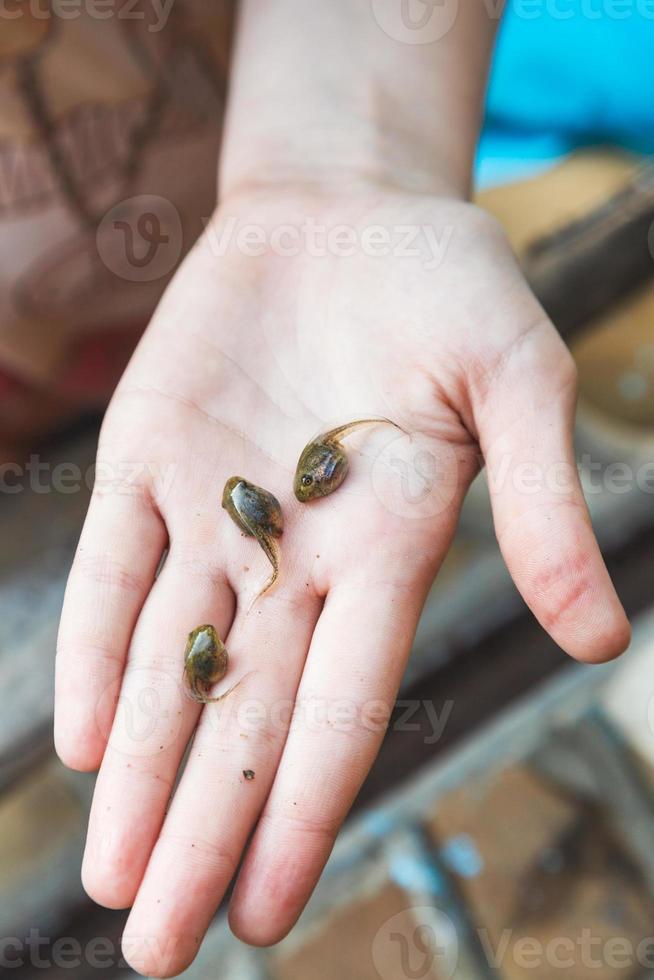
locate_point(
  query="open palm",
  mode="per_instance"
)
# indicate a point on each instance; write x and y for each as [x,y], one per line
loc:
[246,359]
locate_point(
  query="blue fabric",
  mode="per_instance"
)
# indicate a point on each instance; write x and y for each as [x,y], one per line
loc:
[568,73]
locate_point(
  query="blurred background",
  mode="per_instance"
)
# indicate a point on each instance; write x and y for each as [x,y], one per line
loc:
[507,828]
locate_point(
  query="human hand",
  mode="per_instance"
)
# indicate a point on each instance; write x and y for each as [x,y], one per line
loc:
[245,360]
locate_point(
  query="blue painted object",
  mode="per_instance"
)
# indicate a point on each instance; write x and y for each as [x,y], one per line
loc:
[568,74]
[415,875]
[460,855]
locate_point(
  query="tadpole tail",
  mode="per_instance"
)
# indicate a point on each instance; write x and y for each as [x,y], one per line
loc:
[271,549]
[341,431]
[228,691]
[198,695]
[195,694]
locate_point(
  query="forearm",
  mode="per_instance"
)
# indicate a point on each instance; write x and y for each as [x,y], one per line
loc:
[321,94]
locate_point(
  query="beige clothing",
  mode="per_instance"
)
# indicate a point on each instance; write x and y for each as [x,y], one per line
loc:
[121,103]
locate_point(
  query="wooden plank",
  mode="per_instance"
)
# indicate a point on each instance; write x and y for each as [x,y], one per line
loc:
[39,528]
[587,266]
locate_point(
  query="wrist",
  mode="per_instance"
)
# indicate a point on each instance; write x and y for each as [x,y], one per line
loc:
[345,159]
[321,96]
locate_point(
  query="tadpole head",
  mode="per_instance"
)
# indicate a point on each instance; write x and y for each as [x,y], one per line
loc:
[321,469]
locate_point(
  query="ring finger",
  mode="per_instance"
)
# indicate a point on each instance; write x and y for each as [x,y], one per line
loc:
[224,786]
[153,722]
